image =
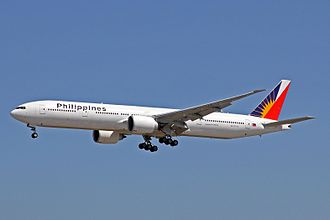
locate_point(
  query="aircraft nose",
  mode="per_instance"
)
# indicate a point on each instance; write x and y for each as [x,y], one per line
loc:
[13,113]
[20,113]
[17,114]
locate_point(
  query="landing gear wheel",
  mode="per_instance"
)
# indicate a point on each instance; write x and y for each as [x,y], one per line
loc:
[147,146]
[174,143]
[33,129]
[154,148]
[34,135]
[161,140]
[141,146]
[167,141]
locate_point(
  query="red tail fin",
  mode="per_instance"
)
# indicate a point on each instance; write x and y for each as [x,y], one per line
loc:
[271,106]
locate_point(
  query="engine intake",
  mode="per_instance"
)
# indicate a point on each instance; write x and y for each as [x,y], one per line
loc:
[107,137]
[142,124]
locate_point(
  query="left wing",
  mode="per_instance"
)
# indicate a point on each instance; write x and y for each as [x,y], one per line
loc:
[199,111]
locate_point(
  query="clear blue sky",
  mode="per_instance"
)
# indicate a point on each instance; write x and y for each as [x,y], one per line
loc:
[175,54]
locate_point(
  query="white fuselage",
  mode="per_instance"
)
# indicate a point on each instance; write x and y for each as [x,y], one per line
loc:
[94,116]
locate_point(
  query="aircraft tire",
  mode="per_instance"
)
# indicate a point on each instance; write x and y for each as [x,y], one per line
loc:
[34,135]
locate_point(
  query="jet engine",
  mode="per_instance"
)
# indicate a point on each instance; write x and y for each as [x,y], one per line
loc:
[142,124]
[107,137]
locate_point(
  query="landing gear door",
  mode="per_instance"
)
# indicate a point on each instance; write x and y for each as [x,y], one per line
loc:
[42,109]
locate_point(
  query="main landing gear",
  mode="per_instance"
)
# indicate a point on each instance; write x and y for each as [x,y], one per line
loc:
[147,145]
[168,141]
[34,132]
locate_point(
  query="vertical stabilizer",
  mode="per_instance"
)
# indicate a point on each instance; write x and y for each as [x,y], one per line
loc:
[271,106]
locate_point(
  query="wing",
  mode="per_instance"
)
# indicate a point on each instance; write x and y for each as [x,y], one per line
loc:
[200,111]
[176,120]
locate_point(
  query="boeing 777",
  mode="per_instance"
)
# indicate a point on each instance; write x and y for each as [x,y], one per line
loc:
[112,123]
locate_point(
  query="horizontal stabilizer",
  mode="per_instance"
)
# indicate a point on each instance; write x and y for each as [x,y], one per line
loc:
[288,121]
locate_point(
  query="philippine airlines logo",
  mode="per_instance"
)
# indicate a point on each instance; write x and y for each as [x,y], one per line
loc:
[271,106]
[80,107]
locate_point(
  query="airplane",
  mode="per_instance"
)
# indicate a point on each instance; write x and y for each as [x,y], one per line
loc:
[112,123]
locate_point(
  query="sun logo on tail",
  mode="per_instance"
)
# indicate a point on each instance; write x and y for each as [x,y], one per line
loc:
[263,108]
[266,106]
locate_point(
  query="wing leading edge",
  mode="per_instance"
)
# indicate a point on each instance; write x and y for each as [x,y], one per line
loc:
[200,111]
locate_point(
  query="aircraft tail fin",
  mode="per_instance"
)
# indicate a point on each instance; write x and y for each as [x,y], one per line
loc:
[271,106]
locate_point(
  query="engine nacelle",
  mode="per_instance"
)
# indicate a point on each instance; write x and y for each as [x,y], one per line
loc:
[107,137]
[142,124]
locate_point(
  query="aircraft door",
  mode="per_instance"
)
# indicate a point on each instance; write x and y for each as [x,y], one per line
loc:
[247,124]
[42,109]
[85,113]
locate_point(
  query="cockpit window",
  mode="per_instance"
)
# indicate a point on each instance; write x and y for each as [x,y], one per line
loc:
[21,107]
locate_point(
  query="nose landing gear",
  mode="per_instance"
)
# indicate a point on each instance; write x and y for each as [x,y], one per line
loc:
[34,132]
[34,135]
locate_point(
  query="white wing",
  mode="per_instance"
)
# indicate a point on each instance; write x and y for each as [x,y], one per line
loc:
[200,111]
[176,120]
